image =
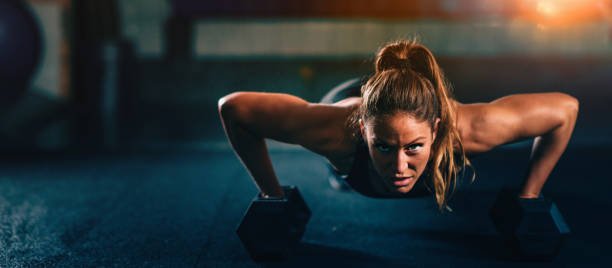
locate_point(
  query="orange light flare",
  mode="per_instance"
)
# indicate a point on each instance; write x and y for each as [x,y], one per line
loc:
[559,12]
[606,9]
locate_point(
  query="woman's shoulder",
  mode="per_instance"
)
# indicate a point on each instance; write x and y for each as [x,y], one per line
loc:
[486,125]
[335,135]
[470,118]
[344,136]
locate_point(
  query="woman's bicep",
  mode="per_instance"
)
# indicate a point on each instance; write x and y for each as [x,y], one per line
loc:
[278,116]
[517,117]
[538,114]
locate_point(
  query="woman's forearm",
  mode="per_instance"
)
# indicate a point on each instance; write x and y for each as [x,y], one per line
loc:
[546,151]
[253,153]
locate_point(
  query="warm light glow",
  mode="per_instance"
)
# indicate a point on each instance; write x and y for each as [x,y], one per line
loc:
[560,11]
[547,8]
[542,27]
[606,9]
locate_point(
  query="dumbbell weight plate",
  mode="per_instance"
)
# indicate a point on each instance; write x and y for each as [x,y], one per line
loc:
[270,228]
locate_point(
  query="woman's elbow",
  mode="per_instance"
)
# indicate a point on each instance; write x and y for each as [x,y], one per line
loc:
[571,105]
[228,104]
[567,108]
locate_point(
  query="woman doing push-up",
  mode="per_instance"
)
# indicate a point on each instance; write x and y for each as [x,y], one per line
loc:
[401,133]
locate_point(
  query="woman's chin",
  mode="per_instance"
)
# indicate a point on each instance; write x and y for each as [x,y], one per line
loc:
[405,189]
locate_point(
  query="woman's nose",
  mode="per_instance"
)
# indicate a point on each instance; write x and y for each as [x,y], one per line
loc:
[401,163]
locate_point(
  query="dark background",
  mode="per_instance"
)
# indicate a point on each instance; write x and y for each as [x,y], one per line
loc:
[112,152]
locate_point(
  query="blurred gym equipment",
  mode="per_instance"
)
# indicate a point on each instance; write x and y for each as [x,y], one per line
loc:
[20,50]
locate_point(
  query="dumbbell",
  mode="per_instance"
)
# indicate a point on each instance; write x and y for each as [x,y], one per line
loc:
[533,228]
[271,228]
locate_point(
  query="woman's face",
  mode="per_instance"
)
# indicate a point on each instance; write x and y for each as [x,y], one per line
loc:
[399,147]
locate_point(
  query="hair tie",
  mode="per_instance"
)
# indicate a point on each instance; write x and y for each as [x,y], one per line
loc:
[406,64]
[403,64]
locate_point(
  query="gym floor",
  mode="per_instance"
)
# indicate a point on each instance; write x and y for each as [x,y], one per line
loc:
[182,209]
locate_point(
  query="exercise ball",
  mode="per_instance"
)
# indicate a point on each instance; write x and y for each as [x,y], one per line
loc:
[20,49]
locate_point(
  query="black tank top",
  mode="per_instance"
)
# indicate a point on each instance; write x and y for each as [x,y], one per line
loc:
[362,173]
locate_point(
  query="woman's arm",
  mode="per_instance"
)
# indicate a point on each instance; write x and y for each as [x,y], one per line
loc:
[250,117]
[547,117]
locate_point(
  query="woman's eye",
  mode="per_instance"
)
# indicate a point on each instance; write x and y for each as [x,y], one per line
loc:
[383,148]
[414,147]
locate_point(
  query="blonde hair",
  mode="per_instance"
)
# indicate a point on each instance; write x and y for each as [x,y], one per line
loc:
[409,79]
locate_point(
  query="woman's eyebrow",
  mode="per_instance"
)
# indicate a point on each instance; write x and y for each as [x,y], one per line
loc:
[415,140]
[411,142]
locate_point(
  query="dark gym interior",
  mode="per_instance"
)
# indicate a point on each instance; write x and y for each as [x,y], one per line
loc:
[112,152]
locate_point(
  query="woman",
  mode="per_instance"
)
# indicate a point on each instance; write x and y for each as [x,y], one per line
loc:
[404,134]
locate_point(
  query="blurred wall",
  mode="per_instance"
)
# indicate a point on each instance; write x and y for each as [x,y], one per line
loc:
[142,22]
[486,54]
[479,37]
[187,58]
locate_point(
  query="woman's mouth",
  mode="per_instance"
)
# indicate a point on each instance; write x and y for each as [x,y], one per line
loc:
[399,182]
